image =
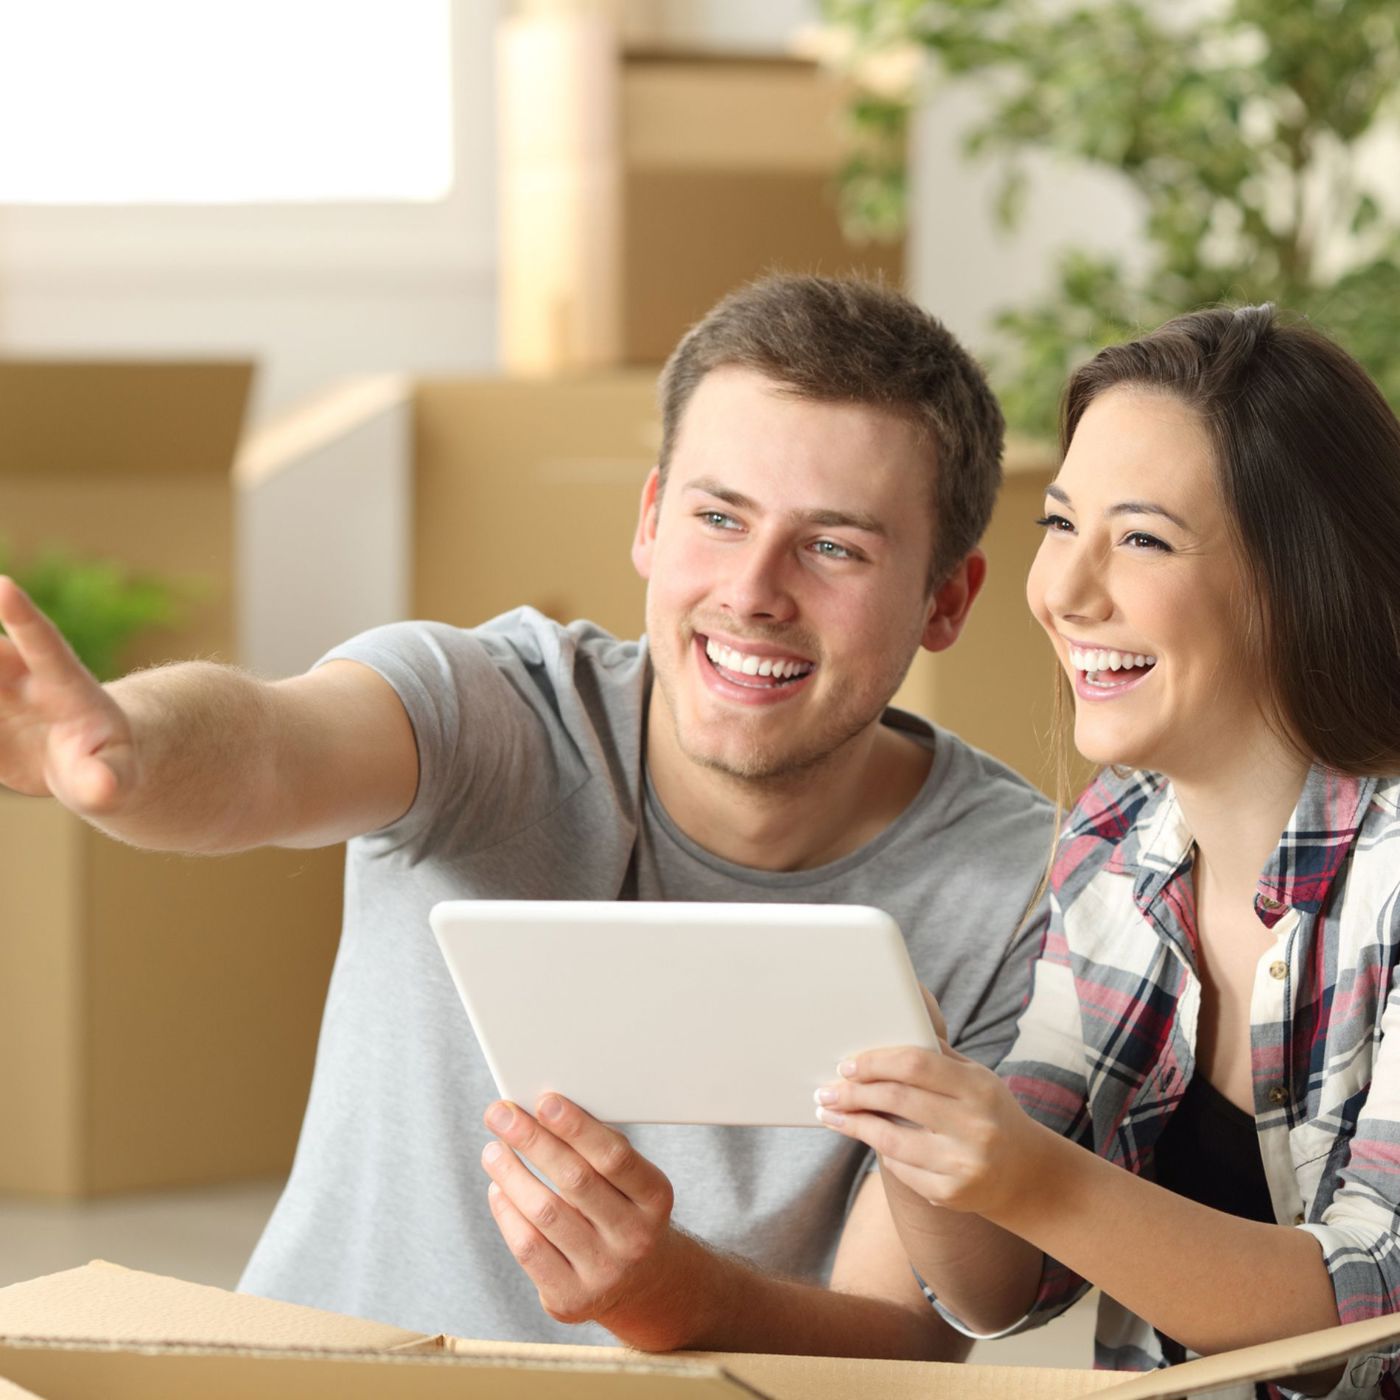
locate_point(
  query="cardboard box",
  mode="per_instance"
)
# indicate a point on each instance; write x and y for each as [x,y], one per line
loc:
[123,1335]
[158,1016]
[729,166]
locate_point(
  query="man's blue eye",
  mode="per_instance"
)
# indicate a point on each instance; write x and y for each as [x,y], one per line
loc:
[831,550]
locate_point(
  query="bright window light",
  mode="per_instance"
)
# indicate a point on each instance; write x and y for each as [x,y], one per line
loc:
[208,101]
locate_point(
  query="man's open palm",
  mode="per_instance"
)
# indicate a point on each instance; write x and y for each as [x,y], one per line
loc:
[61,734]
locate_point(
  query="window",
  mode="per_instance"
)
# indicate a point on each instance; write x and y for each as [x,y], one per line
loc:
[211,102]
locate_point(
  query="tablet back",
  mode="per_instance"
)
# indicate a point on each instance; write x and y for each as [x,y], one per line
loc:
[679,1013]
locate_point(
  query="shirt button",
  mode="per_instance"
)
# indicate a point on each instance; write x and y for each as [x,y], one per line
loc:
[1278,970]
[1278,1094]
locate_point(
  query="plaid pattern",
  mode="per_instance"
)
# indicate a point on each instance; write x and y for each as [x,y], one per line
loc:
[1103,1056]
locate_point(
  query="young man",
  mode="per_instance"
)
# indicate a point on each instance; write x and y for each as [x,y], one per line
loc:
[829,460]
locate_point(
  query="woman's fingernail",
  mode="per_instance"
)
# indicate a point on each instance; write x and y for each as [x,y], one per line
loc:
[825,1096]
[492,1152]
[826,1115]
[846,1069]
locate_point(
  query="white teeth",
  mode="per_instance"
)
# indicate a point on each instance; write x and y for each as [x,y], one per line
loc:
[740,664]
[1102,659]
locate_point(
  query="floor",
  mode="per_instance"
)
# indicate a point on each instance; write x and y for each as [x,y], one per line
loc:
[206,1235]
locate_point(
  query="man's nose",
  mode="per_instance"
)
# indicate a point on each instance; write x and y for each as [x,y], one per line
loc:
[761,584]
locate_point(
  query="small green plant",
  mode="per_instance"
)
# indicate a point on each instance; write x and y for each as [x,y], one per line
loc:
[1250,131]
[98,605]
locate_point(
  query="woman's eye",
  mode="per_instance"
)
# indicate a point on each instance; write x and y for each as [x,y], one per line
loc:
[1055,523]
[1140,539]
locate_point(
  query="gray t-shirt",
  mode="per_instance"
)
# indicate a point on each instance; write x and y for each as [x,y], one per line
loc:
[531,787]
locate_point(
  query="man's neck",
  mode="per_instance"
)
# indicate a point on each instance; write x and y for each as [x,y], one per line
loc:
[796,821]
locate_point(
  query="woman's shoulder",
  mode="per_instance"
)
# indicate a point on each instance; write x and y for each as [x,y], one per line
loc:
[1102,829]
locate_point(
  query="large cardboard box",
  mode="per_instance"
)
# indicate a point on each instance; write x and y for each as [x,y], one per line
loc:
[729,168]
[157,1015]
[109,1332]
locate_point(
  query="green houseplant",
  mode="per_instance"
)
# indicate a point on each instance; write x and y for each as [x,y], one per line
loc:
[1248,131]
[98,605]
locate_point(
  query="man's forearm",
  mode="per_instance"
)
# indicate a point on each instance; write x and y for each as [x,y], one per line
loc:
[721,1303]
[206,760]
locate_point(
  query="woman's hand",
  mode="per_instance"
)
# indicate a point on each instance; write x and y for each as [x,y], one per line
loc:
[944,1125]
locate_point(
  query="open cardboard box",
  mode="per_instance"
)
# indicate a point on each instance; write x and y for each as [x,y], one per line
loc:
[107,1331]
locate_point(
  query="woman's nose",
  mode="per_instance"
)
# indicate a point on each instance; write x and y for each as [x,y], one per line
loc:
[1074,582]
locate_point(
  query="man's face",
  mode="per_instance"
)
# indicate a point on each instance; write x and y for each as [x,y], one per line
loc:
[787,563]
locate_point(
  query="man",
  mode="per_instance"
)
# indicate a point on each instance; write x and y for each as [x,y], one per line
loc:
[829,460]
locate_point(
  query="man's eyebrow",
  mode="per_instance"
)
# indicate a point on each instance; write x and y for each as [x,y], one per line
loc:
[1124,507]
[840,519]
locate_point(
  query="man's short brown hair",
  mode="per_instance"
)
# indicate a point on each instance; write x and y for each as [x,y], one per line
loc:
[846,340]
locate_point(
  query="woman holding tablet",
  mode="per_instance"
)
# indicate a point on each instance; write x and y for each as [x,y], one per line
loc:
[1201,1113]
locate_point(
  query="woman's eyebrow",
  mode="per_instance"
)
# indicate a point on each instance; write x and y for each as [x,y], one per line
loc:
[1123,507]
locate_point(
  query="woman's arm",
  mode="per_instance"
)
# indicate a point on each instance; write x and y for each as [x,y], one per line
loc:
[1208,1279]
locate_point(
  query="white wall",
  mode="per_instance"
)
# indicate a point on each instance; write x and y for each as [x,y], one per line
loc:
[320,292]
[312,292]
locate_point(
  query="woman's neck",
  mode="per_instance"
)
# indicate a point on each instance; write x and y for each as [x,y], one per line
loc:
[1237,815]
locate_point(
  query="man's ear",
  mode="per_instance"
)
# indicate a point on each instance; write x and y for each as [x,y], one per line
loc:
[644,541]
[952,601]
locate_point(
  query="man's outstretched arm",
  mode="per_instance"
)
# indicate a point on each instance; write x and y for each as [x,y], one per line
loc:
[601,1248]
[199,757]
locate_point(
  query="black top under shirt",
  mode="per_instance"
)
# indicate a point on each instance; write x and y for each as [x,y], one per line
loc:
[1209,1153]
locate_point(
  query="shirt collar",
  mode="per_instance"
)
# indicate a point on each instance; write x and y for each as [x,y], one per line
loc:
[1300,872]
[1314,846]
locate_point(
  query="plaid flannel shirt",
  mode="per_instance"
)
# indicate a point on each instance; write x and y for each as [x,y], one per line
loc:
[1105,1048]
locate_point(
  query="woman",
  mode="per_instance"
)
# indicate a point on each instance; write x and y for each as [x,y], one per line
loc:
[1213,1009]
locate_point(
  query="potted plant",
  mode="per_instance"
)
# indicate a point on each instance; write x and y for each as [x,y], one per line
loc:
[1248,134]
[98,605]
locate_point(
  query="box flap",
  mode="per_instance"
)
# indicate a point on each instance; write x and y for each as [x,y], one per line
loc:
[1294,1356]
[104,1301]
[846,1378]
[10,1391]
[120,417]
[83,1371]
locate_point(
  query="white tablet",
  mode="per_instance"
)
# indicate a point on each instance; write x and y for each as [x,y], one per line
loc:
[679,1013]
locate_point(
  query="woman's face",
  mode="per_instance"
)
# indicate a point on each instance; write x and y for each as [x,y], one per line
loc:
[1144,598]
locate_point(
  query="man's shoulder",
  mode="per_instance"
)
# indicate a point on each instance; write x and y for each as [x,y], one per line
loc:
[968,780]
[524,635]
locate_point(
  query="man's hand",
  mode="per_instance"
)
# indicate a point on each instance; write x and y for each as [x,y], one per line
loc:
[599,1246]
[61,734]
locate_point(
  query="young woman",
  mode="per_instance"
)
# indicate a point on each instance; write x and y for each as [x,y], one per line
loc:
[1201,1114]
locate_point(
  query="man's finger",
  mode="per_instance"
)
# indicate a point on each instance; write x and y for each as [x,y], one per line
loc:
[609,1154]
[39,643]
[596,1199]
[547,1267]
[563,1226]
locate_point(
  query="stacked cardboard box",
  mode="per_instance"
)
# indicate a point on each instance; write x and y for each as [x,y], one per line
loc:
[157,1015]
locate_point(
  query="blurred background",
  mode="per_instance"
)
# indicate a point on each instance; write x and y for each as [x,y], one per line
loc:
[316,315]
